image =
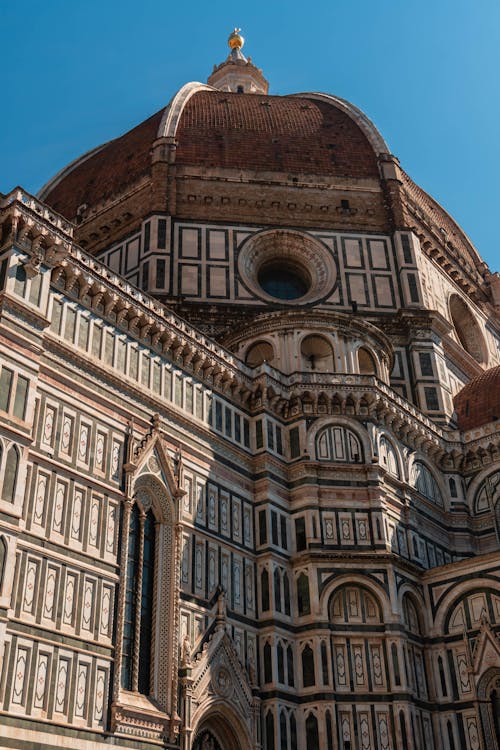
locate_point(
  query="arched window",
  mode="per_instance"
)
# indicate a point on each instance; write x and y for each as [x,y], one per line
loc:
[312,734]
[453,487]
[3,557]
[264,590]
[268,663]
[451,736]
[277,590]
[442,677]
[353,604]
[286,593]
[303,599]
[410,616]
[290,666]
[402,724]
[283,732]
[366,363]
[269,730]
[338,444]
[258,353]
[308,676]
[395,664]
[293,732]
[10,474]
[424,482]
[488,493]
[324,662]
[329,731]
[388,457]
[281,664]
[139,590]
[467,329]
[317,354]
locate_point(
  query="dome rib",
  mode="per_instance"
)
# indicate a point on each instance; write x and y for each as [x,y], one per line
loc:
[478,403]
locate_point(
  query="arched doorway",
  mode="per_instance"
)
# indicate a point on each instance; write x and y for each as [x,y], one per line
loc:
[205,740]
[488,693]
[218,731]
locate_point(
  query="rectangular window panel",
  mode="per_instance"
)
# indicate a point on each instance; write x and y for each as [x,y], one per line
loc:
[189,397]
[147,235]
[425,363]
[162,234]
[3,271]
[133,368]
[228,422]
[262,527]
[218,416]
[121,352]
[145,369]
[156,376]
[405,242]
[284,533]
[36,289]
[237,428]
[83,334]
[270,435]
[259,438]
[145,276]
[300,534]
[96,341]
[294,442]
[246,432]
[412,286]
[21,397]
[69,328]
[55,323]
[431,399]
[279,440]
[178,390]
[274,527]
[160,274]
[110,345]
[5,386]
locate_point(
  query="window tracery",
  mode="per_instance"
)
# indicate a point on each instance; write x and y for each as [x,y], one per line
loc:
[338,444]
[423,481]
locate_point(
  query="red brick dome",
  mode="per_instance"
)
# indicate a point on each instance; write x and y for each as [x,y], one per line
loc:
[479,401]
[297,135]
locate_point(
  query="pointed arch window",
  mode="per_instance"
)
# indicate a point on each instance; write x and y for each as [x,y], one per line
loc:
[139,594]
[308,676]
[10,474]
[424,482]
[3,556]
[312,734]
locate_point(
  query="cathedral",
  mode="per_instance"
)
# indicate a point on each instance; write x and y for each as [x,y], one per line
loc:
[249,441]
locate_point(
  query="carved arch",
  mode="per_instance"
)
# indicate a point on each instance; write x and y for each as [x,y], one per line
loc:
[374,588]
[452,598]
[350,424]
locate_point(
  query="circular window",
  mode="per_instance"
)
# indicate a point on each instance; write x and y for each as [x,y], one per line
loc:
[281,265]
[282,282]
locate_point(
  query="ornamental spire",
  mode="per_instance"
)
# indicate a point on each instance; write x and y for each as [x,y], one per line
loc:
[237,73]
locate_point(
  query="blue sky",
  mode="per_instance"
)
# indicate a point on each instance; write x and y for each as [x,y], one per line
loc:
[79,73]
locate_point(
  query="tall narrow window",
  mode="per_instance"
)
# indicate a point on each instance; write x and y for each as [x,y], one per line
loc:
[281,664]
[10,474]
[395,664]
[286,593]
[303,600]
[308,678]
[3,555]
[442,677]
[268,665]
[269,731]
[139,588]
[329,733]
[324,663]
[277,590]
[312,734]
[283,732]
[293,732]
[290,666]
[264,590]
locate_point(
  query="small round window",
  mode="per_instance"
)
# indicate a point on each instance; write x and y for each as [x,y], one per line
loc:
[282,282]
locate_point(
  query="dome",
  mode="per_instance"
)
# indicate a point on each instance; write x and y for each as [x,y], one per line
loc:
[478,403]
[308,134]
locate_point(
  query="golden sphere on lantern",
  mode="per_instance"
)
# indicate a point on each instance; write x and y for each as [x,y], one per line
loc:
[235,40]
